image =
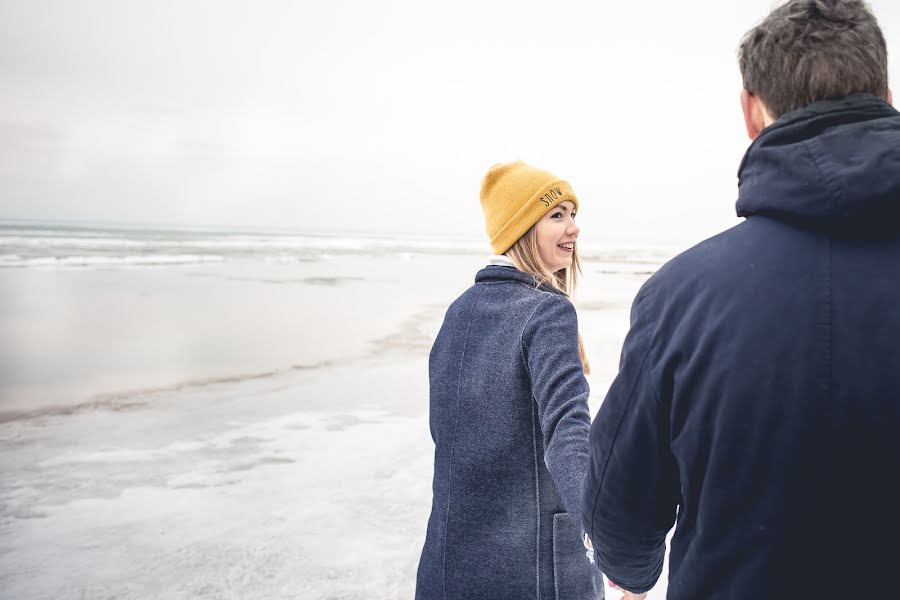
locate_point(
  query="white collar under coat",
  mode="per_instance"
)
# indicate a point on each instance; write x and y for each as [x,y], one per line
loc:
[501,260]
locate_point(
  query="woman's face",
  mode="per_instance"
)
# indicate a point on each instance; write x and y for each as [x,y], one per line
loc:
[556,233]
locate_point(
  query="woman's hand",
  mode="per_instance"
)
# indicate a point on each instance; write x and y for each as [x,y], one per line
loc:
[589,547]
[627,595]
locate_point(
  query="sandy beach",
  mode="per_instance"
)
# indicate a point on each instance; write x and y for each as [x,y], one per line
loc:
[247,427]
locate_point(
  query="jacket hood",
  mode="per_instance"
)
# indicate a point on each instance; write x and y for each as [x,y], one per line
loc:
[834,164]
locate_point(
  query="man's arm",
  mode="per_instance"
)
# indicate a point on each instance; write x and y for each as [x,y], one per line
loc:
[631,491]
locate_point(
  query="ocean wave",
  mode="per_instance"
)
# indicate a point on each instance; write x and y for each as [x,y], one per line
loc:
[100,261]
[23,247]
[233,242]
[83,242]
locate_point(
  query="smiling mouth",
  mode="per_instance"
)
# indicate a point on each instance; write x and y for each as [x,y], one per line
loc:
[566,247]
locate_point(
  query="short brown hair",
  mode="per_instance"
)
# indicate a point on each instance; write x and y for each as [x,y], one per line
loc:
[808,50]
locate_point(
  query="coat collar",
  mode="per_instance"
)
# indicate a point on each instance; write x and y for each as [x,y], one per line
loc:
[496,273]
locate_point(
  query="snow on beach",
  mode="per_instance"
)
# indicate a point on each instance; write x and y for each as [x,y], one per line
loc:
[250,427]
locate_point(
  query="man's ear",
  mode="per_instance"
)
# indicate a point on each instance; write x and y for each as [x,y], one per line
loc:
[755,115]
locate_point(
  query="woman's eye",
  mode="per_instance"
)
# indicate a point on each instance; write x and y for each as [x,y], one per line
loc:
[573,215]
[556,215]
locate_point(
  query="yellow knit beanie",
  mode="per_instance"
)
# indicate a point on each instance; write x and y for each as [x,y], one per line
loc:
[514,196]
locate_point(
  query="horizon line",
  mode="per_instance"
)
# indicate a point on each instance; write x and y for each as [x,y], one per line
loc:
[88,224]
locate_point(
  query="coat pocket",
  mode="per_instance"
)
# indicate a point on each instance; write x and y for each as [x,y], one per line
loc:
[574,577]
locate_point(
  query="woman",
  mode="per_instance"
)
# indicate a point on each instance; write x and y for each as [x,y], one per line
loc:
[508,409]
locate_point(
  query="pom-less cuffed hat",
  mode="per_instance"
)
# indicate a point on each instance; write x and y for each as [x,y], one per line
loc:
[514,196]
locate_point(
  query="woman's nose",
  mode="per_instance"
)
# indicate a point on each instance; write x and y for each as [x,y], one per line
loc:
[573,228]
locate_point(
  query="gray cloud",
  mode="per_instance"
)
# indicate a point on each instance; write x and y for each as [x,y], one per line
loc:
[232,113]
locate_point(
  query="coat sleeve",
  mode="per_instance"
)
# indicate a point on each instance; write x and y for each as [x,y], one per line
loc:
[560,391]
[631,492]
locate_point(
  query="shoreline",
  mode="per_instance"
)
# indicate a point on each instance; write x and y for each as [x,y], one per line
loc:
[412,336]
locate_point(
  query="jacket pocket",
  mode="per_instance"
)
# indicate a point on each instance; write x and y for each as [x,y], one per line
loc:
[574,577]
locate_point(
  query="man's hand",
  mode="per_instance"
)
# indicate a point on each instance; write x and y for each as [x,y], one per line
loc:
[627,595]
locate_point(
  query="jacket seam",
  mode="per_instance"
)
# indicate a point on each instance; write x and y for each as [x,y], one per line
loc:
[555,570]
[537,503]
[534,453]
[615,437]
[651,347]
[462,359]
[834,189]
[831,322]
[829,316]
[522,334]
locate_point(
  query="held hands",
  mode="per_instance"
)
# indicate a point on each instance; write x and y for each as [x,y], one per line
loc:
[628,595]
[625,594]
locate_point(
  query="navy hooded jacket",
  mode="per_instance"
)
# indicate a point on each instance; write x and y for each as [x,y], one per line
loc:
[758,396]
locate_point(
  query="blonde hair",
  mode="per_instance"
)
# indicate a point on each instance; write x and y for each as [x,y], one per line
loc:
[525,255]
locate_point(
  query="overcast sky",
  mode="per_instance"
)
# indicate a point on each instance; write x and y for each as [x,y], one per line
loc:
[362,116]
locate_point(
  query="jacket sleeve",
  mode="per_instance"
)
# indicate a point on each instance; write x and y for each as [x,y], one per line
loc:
[631,492]
[560,391]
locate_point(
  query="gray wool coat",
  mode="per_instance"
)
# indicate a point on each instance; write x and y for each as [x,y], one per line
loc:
[509,419]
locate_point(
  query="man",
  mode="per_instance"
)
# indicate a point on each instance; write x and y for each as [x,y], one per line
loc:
[758,397]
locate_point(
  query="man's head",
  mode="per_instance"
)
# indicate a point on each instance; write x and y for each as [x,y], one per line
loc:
[808,50]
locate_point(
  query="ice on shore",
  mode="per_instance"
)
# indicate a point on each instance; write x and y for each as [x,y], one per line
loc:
[278,505]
